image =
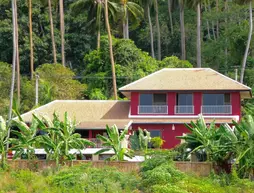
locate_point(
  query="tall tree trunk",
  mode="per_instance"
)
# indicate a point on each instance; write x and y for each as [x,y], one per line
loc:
[198,36]
[111,50]
[217,22]
[170,16]
[17,53]
[52,32]
[209,9]
[98,39]
[158,29]
[127,26]
[182,29]
[14,59]
[226,39]
[248,43]
[151,31]
[98,24]
[31,39]
[62,29]
[207,24]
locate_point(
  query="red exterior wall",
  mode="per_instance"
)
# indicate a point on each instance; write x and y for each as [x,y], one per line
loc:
[168,134]
[134,103]
[197,102]
[171,103]
[236,103]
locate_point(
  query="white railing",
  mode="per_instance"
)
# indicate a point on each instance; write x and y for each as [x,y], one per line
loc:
[184,109]
[153,109]
[217,109]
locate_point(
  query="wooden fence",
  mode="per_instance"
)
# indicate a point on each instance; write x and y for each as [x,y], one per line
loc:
[198,168]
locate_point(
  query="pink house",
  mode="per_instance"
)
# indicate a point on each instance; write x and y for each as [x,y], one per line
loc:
[160,102]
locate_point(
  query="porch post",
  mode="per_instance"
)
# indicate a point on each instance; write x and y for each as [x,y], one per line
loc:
[90,135]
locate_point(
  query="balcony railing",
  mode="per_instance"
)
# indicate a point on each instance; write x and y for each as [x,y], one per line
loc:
[153,109]
[97,142]
[217,109]
[184,109]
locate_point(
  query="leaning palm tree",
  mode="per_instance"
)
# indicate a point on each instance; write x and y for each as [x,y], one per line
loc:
[110,50]
[249,37]
[62,29]
[114,141]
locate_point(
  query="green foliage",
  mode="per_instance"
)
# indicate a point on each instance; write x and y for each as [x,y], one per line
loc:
[157,142]
[115,141]
[58,82]
[139,140]
[3,141]
[174,62]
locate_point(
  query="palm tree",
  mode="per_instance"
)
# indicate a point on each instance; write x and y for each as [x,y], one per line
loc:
[62,29]
[170,15]
[52,32]
[158,29]
[3,141]
[31,38]
[249,39]
[14,60]
[129,10]
[95,7]
[182,29]
[110,50]
[17,52]
[147,5]
[114,141]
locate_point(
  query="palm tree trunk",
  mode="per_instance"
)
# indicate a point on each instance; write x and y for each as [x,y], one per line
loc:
[52,32]
[151,31]
[217,22]
[127,26]
[182,29]
[207,24]
[98,39]
[170,16]
[158,30]
[31,39]
[111,50]
[248,43]
[17,53]
[62,30]
[198,36]
[14,57]
[209,9]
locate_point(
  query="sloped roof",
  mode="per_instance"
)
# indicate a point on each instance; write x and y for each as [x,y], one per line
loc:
[184,79]
[87,113]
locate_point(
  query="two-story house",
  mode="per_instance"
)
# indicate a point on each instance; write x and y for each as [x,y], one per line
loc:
[160,102]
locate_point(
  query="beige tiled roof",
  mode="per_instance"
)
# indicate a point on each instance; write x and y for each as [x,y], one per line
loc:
[90,114]
[183,79]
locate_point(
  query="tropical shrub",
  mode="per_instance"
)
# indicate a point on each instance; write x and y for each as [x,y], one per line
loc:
[3,141]
[140,139]
[157,142]
[114,141]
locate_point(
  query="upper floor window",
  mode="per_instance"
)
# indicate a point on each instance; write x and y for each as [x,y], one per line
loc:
[184,104]
[216,99]
[153,99]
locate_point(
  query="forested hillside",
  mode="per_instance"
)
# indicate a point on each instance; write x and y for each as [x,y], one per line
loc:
[65,43]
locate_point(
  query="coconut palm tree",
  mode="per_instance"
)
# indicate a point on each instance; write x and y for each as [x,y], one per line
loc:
[31,38]
[170,2]
[114,141]
[182,29]
[62,29]
[110,50]
[158,29]
[52,32]
[129,10]
[96,9]
[249,2]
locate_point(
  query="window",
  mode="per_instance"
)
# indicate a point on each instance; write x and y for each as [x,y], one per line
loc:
[153,99]
[184,100]
[155,133]
[216,99]
[83,133]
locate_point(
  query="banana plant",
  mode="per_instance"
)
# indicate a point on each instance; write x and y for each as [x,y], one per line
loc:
[25,141]
[245,147]
[3,141]
[60,137]
[114,141]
